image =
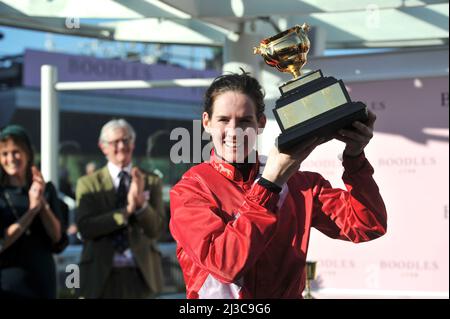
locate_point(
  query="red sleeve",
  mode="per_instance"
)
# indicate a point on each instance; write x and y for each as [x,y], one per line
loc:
[224,249]
[357,214]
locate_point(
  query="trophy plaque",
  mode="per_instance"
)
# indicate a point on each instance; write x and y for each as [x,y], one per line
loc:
[310,105]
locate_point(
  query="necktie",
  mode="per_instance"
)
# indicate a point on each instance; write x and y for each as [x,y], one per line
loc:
[120,237]
[121,199]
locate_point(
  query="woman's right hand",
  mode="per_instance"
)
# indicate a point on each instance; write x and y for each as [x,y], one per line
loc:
[36,192]
[281,166]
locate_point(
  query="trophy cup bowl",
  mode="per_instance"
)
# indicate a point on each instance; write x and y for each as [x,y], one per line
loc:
[287,51]
[310,105]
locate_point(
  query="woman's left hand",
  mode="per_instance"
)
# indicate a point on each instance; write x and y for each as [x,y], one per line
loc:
[357,139]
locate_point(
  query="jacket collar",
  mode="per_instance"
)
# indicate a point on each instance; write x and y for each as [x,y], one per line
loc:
[105,178]
[231,172]
[107,186]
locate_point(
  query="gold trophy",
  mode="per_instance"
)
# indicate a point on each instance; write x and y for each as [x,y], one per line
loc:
[310,270]
[310,105]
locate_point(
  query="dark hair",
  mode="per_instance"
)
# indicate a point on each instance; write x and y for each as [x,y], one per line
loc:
[243,83]
[18,136]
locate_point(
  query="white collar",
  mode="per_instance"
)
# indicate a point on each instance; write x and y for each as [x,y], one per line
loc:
[114,170]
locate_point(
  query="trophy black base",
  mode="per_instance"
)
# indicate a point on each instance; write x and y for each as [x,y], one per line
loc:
[314,106]
[324,125]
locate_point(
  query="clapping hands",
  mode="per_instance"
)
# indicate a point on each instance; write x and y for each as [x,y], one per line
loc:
[136,198]
[36,192]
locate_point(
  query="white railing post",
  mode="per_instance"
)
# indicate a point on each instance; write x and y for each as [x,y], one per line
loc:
[49,124]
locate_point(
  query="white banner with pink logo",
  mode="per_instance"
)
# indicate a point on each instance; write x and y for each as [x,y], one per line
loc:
[410,154]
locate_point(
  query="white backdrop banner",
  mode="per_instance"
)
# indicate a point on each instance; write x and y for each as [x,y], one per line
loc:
[410,154]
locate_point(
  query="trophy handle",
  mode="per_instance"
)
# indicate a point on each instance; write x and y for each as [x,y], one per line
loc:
[305,27]
[257,50]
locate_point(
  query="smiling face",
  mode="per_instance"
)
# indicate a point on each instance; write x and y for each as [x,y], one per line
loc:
[118,147]
[233,125]
[13,159]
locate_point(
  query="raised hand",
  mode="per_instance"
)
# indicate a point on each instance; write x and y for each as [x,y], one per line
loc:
[281,166]
[357,139]
[136,198]
[36,192]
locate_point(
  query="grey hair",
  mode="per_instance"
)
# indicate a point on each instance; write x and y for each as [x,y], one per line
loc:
[116,124]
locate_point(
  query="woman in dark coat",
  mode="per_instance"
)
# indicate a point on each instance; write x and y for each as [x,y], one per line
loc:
[30,224]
